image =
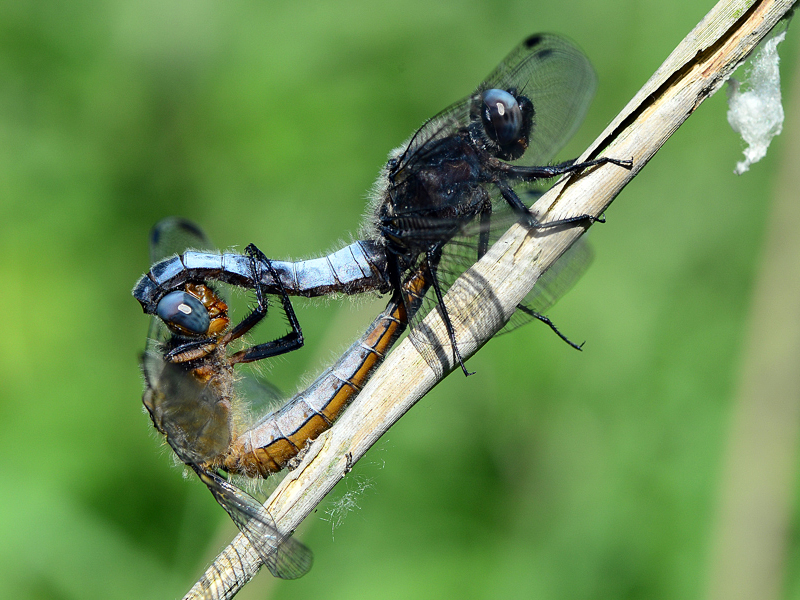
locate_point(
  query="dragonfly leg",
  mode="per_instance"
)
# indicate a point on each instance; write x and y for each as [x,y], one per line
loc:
[564,168]
[485,216]
[291,341]
[526,218]
[189,351]
[433,257]
[534,173]
[550,324]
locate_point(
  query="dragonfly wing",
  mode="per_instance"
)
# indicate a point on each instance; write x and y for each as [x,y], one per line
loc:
[461,253]
[284,557]
[175,235]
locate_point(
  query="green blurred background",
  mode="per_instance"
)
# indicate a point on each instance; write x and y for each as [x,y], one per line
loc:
[549,474]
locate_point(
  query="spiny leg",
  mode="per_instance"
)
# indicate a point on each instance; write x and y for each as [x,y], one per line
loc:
[433,257]
[546,172]
[550,324]
[291,341]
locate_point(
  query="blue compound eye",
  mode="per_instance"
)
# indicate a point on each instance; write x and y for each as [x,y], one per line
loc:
[502,116]
[184,312]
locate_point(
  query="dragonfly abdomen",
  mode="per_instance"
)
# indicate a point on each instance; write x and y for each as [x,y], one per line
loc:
[272,443]
[356,268]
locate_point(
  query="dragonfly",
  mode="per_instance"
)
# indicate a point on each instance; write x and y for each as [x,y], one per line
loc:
[449,191]
[197,400]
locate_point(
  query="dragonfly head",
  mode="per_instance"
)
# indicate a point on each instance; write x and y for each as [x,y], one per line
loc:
[503,122]
[195,312]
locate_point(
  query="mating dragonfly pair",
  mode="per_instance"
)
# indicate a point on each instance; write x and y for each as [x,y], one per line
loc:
[440,201]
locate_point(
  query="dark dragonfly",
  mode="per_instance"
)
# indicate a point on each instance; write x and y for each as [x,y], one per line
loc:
[445,195]
[206,410]
[450,183]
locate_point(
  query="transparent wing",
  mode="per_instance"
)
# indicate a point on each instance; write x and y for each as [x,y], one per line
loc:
[284,557]
[194,416]
[256,397]
[176,235]
[195,421]
[461,253]
[425,141]
[548,69]
[554,283]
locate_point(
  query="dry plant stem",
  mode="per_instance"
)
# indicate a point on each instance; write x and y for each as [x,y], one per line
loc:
[693,72]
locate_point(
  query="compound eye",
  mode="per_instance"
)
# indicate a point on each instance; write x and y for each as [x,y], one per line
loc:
[184,313]
[502,117]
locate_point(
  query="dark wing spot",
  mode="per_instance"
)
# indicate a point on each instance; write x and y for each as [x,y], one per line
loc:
[155,237]
[187,225]
[544,54]
[178,224]
[534,40]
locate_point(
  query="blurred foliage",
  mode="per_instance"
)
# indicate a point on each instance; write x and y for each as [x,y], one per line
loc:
[549,474]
